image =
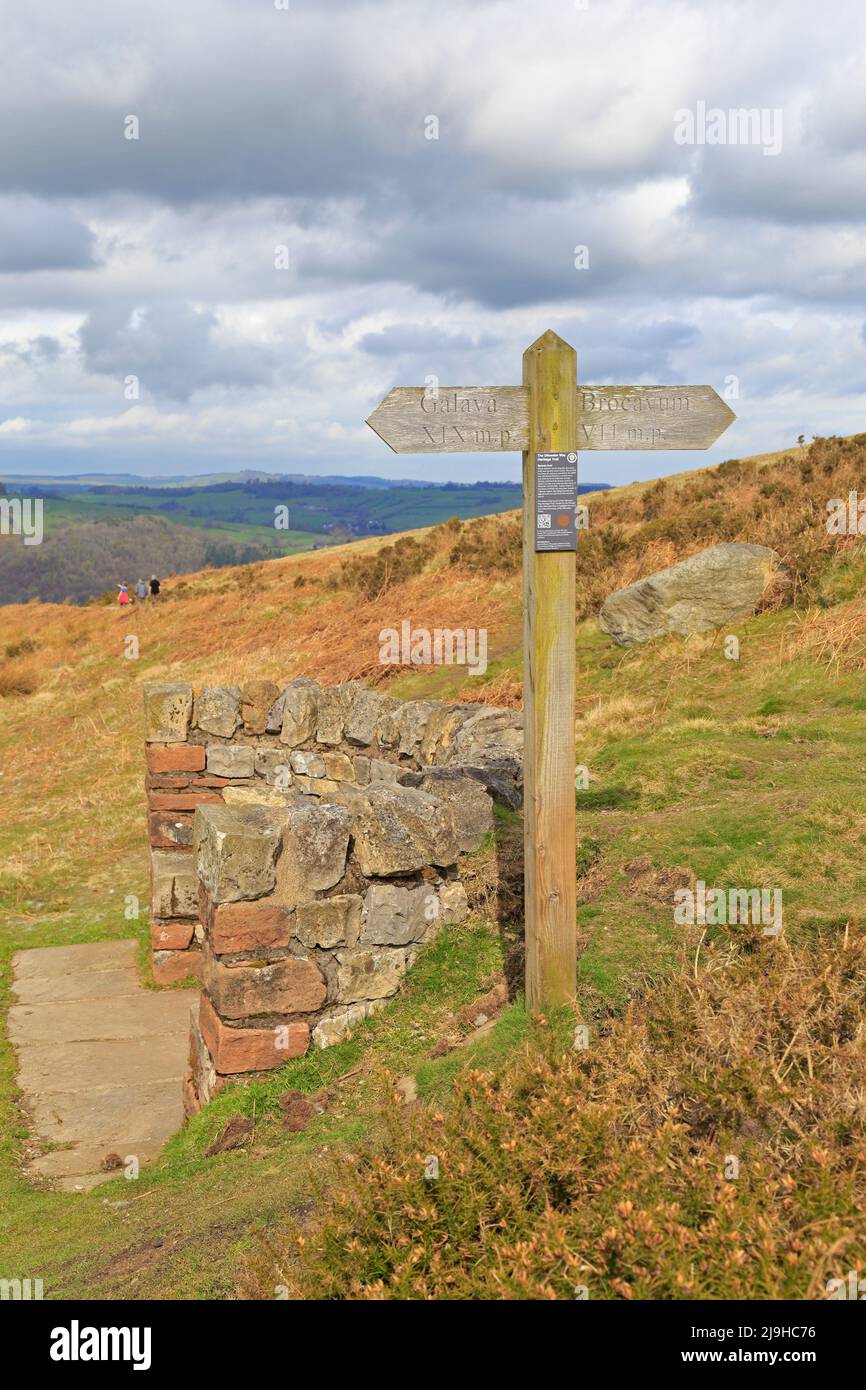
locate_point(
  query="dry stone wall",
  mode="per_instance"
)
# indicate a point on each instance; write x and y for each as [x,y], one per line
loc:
[305,842]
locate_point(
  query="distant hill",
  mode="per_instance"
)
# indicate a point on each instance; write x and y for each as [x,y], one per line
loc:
[242,475]
[230,519]
[84,559]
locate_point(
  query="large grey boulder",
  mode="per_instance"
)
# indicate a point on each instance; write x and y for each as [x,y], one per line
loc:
[717,586]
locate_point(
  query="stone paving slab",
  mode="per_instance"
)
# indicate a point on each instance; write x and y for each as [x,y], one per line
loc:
[100,1059]
[38,1070]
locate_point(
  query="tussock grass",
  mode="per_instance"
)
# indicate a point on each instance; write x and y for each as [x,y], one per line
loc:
[19,676]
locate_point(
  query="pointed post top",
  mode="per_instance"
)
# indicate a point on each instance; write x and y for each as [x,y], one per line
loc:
[549,341]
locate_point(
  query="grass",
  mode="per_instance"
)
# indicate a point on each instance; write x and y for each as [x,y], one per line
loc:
[179,1231]
[741,773]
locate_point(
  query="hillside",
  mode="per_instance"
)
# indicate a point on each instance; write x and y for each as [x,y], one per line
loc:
[80,561]
[215,522]
[740,772]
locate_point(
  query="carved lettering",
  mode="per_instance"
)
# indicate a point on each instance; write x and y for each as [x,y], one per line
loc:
[453,403]
[652,402]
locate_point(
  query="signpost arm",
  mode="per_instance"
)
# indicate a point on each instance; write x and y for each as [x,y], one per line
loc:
[549,373]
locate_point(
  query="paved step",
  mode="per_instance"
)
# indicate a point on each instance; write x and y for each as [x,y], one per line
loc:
[100,1059]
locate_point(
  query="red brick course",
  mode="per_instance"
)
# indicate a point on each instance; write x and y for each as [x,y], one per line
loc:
[173,935]
[176,965]
[244,926]
[249,1049]
[175,757]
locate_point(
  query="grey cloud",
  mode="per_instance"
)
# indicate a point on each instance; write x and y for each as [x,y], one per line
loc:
[40,235]
[417,339]
[38,351]
[556,131]
[171,348]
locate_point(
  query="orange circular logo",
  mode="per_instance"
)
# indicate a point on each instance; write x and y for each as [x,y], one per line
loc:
[563,519]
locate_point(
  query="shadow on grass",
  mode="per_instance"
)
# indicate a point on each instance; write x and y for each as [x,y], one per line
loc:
[618,798]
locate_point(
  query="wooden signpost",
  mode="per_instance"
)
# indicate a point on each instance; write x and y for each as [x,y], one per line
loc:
[550,417]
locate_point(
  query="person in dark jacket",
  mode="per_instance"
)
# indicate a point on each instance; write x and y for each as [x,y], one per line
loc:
[154,586]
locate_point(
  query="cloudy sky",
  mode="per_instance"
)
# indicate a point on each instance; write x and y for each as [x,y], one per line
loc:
[269,134]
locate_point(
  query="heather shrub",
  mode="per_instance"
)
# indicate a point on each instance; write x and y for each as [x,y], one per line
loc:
[710,1143]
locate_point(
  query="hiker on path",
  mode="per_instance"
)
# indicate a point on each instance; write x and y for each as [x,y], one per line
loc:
[141,591]
[154,586]
[123,594]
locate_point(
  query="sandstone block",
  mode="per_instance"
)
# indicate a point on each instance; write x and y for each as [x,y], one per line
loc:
[338,1026]
[175,757]
[218,709]
[395,916]
[366,708]
[492,734]
[411,718]
[174,885]
[453,903]
[167,781]
[471,806]
[369,974]
[167,711]
[334,705]
[307,764]
[182,800]
[248,927]
[171,936]
[170,829]
[273,765]
[223,760]
[329,922]
[236,850]
[300,709]
[274,720]
[382,771]
[259,794]
[315,842]
[445,722]
[338,767]
[402,829]
[171,966]
[286,986]
[249,1049]
[257,700]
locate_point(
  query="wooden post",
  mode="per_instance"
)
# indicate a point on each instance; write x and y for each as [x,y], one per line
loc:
[542,417]
[550,374]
